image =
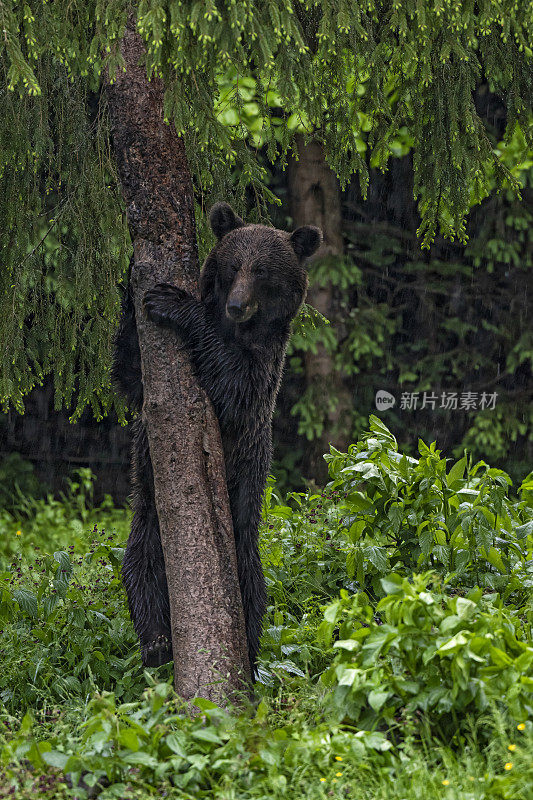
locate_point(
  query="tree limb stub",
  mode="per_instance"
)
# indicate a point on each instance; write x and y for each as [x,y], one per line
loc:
[208,633]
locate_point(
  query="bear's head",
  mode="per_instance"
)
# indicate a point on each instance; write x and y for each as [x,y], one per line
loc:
[256,274]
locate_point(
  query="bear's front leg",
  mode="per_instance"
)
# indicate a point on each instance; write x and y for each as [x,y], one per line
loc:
[171,306]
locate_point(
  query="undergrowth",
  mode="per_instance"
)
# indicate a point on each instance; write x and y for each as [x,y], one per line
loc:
[396,662]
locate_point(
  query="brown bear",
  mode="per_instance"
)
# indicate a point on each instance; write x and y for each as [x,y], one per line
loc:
[252,285]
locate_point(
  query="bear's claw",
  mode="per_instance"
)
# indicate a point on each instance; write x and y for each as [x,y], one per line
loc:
[157,652]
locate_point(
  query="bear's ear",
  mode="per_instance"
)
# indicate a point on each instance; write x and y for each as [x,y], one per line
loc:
[306,240]
[223,219]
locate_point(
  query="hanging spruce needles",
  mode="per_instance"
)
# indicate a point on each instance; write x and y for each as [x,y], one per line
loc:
[63,237]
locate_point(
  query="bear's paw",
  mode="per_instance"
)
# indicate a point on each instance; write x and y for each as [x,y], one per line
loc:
[157,652]
[161,302]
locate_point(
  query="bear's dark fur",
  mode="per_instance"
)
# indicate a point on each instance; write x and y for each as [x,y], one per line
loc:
[252,284]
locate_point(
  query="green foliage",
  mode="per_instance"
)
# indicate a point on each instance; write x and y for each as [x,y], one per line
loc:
[419,651]
[66,629]
[462,521]
[63,241]
[384,511]
[65,624]
[152,742]
[259,760]
[33,524]
[401,74]
[376,681]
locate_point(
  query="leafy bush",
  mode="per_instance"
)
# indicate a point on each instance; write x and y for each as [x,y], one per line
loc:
[403,513]
[422,651]
[383,512]
[65,628]
[153,742]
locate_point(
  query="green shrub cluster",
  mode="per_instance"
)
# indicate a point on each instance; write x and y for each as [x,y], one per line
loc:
[420,651]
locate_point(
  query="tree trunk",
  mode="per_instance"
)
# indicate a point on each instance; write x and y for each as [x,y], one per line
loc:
[208,632]
[315,199]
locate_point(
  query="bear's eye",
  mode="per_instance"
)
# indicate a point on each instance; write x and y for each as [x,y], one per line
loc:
[260,272]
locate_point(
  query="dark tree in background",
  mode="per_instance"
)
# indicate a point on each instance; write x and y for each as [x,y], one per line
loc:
[315,198]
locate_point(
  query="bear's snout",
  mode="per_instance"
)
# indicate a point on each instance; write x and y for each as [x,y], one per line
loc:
[240,310]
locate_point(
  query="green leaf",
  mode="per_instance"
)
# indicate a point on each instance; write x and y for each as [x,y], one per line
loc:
[494,557]
[360,567]
[392,584]
[54,758]
[499,657]
[377,698]
[462,560]
[208,734]
[524,530]
[457,471]
[464,607]
[455,643]
[376,641]
[378,557]
[64,562]
[129,739]
[357,501]
[426,540]
[468,495]
[262,712]
[330,614]
[141,758]
[348,677]
[284,512]
[356,529]
[26,724]
[176,742]
[374,740]
[346,644]
[350,564]
[27,602]
[49,604]
[204,705]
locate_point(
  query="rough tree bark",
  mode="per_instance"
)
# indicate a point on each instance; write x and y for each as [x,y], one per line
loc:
[315,199]
[208,632]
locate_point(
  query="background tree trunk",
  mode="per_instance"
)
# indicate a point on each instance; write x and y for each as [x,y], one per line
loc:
[315,199]
[208,633]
